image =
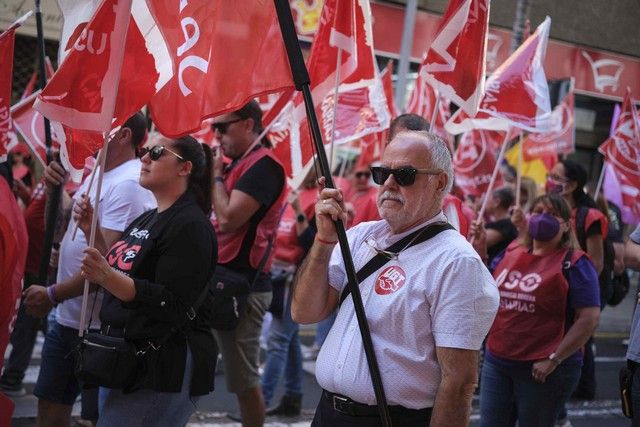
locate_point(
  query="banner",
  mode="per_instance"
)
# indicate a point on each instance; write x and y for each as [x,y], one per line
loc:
[454,65]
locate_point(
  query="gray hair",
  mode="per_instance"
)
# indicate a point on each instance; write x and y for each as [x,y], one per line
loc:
[440,154]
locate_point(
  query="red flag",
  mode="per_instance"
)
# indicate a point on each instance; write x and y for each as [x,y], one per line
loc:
[516,94]
[622,152]
[31,84]
[76,15]
[30,124]
[560,140]
[7,140]
[82,94]
[455,62]
[344,25]
[224,54]
[387,84]
[473,163]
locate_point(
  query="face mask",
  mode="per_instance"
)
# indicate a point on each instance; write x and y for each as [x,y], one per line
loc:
[553,187]
[543,227]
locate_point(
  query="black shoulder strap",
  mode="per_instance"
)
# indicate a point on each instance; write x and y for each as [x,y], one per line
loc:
[426,233]
[569,313]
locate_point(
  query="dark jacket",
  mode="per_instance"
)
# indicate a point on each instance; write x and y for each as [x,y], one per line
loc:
[170,270]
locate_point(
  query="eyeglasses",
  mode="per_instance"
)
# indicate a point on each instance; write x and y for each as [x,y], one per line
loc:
[156,151]
[365,174]
[403,176]
[222,127]
[557,178]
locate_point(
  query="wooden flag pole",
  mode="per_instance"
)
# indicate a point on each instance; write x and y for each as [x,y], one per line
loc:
[335,105]
[302,82]
[519,170]
[96,208]
[94,226]
[434,115]
[600,181]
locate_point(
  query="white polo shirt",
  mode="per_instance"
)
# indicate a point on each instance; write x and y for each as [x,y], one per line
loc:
[437,293]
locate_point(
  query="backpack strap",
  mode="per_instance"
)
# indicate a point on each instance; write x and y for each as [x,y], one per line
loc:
[425,233]
[581,232]
[566,266]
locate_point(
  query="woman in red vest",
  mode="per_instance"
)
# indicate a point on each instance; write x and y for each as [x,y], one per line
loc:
[549,307]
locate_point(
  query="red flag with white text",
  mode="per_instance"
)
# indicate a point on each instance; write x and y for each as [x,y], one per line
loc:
[82,94]
[622,153]
[387,84]
[345,28]
[560,140]
[455,63]
[7,137]
[516,94]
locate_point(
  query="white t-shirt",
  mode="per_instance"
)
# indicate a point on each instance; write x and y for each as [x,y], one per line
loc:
[122,200]
[437,293]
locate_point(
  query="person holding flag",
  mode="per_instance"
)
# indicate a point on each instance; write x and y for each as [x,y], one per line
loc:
[437,291]
[123,199]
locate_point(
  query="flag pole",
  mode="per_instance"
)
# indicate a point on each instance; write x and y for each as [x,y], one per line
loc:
[94,225]
[519,170]
[434,115]
[53,198]
[94,218]
[494,175]
[600,181]
[93,174]
[335,103]
[302,82]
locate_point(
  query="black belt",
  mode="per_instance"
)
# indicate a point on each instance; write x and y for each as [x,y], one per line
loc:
[346,406]
[111,331]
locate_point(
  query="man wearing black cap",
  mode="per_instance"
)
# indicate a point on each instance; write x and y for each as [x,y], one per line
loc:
[248,195]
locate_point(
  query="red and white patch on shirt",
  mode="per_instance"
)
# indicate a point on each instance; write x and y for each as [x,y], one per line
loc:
[390,280]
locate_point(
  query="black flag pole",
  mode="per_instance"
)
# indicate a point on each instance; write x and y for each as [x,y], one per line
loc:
[54,197]
[302,82]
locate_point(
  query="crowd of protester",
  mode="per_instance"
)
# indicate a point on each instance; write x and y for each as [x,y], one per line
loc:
[173,214]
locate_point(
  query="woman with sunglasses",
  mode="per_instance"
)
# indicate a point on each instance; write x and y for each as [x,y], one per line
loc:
[549,307]
[151,279]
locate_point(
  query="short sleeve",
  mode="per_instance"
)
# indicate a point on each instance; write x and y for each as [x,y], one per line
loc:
[464,306]
[264,181]
[126,201]
[584,287]
[635,236]
[337,274]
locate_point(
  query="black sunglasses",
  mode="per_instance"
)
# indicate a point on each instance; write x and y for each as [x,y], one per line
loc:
[222,127]
[404,176]
[156,151]
[361,174]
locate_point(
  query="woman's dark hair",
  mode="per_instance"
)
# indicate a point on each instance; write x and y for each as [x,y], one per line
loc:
[561,208]
[200,179]
[575,172]
[506,197]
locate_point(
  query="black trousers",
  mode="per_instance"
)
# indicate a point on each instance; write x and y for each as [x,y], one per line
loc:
[327,416]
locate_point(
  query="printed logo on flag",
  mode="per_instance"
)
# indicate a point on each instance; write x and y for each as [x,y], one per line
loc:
[390,280]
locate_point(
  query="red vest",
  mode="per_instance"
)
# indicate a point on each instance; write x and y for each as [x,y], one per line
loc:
[530,323]
[229,244]
[287,248]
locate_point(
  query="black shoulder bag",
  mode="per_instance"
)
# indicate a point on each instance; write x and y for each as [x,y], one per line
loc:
[421,235]
[108,361]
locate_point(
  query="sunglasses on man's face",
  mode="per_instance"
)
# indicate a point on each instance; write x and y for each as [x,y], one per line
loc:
[365,174]
[404,176]
[156,151]
[223,127]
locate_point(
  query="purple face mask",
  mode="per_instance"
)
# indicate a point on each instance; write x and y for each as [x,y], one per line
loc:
[553,187]
[543,227]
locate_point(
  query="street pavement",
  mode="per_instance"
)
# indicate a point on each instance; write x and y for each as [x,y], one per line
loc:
[213,409]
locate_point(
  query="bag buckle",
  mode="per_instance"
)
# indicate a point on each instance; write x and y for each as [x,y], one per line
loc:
[191,313]
[343,405]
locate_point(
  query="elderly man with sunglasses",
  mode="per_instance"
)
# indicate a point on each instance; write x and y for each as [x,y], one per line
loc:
[429,307]
[248,196]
